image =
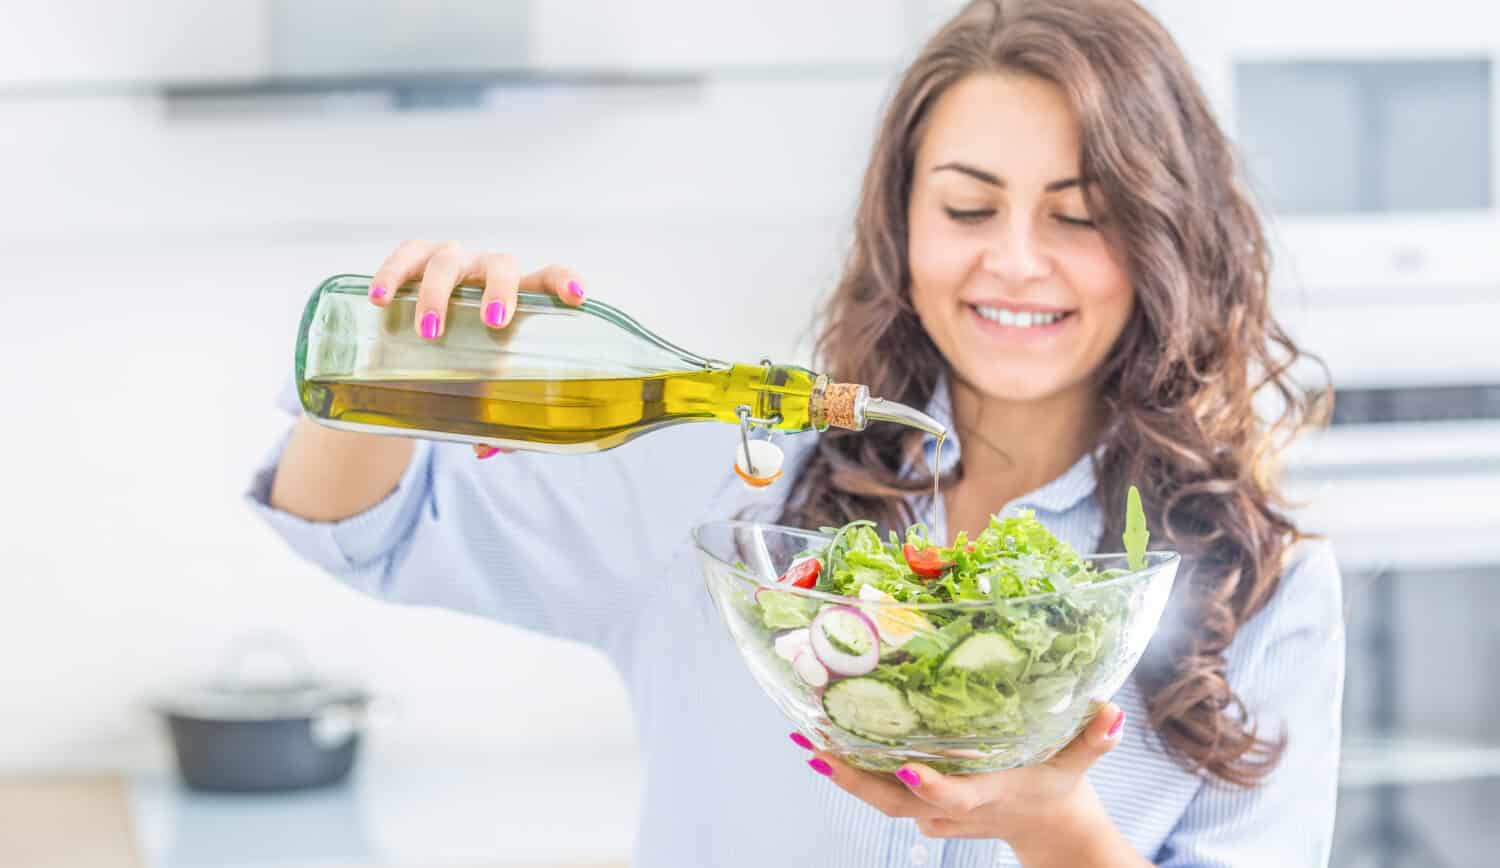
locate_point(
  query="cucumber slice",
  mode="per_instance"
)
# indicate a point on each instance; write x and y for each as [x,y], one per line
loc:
[988,653]
[845,640]
[870,708]
[847,636]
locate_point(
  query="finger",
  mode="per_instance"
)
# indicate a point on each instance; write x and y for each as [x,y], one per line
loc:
[403,265]
[949,795]
[449,265]
[879,791]
[1096,740]
[502,279]
[559,280]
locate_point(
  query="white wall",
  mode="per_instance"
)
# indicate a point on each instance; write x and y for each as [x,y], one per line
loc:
[154,266]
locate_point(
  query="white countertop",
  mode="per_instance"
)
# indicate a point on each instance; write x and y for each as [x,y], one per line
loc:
[402,808]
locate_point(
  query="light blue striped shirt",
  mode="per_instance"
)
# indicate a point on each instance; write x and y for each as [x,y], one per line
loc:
[595,548]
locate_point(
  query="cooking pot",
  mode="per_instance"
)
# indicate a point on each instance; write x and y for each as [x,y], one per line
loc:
[242,734]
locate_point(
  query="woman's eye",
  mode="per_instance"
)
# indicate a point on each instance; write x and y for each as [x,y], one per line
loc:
[970,216]
[1075,221]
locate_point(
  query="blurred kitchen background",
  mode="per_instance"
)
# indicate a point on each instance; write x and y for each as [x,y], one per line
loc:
[177,178]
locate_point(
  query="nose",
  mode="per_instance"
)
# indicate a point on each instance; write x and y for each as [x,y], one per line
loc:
[1016,255]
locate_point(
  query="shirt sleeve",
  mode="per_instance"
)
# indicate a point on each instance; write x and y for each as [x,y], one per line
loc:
[1287,665]
[568,545]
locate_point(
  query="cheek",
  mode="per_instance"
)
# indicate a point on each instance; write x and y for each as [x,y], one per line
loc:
[938,263]
[1104,291]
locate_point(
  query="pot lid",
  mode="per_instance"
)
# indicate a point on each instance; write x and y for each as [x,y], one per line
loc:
[230,702]
[243,691]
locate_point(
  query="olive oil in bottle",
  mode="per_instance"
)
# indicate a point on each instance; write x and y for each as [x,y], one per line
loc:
[555,379]
[585,412]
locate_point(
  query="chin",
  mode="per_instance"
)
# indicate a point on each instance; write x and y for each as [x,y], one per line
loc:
[1015,385]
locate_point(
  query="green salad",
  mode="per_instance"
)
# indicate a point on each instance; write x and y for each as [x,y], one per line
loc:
[886,672]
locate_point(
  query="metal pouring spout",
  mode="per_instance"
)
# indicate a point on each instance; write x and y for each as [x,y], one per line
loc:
[889,411]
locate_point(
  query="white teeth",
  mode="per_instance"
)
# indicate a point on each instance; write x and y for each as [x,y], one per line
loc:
[1017,319]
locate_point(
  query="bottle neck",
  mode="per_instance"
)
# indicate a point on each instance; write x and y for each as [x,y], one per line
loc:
[849,406]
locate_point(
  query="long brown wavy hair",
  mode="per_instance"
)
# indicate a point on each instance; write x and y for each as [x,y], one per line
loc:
[1179,387]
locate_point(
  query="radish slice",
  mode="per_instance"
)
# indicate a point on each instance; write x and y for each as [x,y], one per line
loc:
[789,643]
[807,667]
[845,640]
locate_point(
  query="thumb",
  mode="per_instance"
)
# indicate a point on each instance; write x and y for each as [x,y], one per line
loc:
[1096,740]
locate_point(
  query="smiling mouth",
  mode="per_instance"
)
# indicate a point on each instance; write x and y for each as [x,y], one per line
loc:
[1020,319]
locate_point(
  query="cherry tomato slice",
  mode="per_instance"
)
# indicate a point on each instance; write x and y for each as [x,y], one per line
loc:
[925,562]
[803,575]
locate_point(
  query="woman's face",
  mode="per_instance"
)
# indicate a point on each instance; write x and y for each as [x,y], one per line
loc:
[1012,276]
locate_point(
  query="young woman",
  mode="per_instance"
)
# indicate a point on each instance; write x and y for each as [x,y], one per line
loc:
[1053,256]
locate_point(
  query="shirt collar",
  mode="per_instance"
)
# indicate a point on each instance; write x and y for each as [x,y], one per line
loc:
[1057,496]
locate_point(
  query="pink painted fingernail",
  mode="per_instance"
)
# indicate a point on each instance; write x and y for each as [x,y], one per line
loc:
[821,767]
[377,291]
[494,313]
[430,326]
[1119,724]
[484,451]
[909,777]
[575,289]
[801,741]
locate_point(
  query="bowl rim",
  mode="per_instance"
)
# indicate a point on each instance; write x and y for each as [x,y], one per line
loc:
[1163,559]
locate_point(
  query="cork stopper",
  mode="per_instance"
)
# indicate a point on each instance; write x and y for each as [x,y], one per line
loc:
[843,405]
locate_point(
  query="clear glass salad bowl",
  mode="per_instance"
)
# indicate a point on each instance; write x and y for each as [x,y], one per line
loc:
[966,686]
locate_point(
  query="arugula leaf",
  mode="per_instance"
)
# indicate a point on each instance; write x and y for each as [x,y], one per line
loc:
[1136,534]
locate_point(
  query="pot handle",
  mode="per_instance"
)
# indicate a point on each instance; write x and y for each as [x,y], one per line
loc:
[335,725]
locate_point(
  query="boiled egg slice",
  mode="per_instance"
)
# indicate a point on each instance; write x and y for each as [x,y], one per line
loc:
[896,626]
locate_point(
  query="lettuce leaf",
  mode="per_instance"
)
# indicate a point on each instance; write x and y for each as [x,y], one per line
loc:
[783,610]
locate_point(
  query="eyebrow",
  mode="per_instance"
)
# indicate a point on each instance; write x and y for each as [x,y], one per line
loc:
[995,181]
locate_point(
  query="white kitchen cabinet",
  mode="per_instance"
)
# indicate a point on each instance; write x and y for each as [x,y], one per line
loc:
[45,43]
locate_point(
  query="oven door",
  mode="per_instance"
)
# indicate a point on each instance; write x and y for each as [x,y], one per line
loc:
[1406,482]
